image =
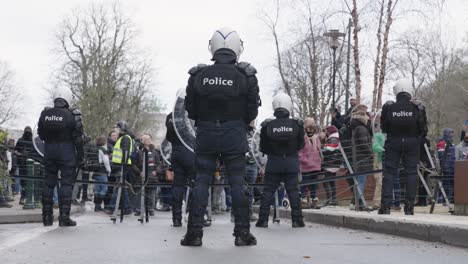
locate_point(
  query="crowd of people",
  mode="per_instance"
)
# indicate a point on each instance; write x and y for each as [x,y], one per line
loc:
[222,100]
[320,158]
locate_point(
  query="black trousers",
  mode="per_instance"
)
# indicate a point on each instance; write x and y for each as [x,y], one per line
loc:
[59,157]
[272,182]
[225,141]
[406,151]
[183,165]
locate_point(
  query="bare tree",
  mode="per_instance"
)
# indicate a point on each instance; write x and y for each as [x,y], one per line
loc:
[102,67]
[272,23]
[377,57]
[357,67]
[385,49]
[9,95]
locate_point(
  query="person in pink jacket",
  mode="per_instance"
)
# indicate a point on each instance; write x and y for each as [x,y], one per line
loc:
[310,159]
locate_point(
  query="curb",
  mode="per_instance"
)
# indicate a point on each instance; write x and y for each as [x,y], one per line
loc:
[35,217]
[454,235]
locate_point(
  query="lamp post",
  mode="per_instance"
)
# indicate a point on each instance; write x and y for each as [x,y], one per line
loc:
[333,36]
[348,65]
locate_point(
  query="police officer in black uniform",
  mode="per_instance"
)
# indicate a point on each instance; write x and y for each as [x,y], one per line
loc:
[281,139]
[223,99]
[405,123]
[61,129]
[183,166]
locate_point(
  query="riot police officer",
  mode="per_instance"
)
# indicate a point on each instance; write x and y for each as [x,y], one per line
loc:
[281,139]
[405,123]
[183,166]
[61,129]
[223,99]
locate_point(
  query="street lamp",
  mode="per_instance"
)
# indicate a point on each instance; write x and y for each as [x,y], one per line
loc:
[334,43]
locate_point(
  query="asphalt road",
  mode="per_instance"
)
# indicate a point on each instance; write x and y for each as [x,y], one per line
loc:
[97,240]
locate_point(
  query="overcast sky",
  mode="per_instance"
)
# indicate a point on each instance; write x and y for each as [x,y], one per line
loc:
[175,32]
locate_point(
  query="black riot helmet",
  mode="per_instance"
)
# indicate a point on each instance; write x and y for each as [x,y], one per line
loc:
[61,103]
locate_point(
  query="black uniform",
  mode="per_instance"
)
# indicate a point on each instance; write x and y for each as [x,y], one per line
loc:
[281,139]
[183,165]
[62,131]
[405,124]
[223,99]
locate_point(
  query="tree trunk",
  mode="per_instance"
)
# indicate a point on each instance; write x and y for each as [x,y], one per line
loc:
[377,58]
[280,65]
[383,63]
[357,68]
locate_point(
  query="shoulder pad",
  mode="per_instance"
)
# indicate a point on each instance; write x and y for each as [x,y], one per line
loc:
[264,123]
[389,103]
[47,108]
[418,104]
[75,111]
[299,121]
[247,68]
[77,116]
[196,69]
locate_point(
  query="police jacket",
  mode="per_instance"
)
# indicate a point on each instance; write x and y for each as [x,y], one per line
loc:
[60,124]
[282,136]
[224,91]
[404,118]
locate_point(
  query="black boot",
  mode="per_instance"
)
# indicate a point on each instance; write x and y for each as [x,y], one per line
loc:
[97,204]
[384,210]
[244,238]
[64,217]
[176,222]
[193,238]
[296,214]
[262,222]
[47,214]
[409,208]
[298,222]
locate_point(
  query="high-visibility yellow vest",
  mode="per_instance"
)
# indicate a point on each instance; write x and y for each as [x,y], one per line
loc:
[117,154]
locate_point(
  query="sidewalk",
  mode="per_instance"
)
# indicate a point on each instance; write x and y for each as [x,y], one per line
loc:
[440,227]
[17,214]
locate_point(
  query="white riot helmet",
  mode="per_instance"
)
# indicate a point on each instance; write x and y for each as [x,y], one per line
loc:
[62,97]
[403,85]
[282,100]
[226,38]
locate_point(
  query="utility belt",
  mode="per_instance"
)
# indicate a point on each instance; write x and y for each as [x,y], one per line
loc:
[58,141]
[218,123]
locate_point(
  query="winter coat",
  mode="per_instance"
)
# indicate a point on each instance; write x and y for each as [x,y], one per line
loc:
[332,158]
[378,145]
[25,148]
[155,163]
[103,158]
[338,121]
[446,152]
[309,156]
[362,155]
[461,151]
